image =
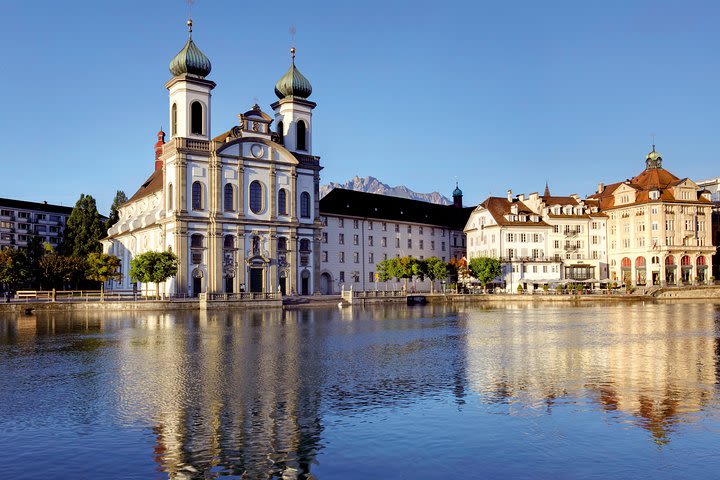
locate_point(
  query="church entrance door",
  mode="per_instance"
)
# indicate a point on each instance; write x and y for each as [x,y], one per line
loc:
[256,277]
[197,286]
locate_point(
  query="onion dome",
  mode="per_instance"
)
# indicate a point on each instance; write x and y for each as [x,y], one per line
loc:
[190,60]
[457,192]
[293,83]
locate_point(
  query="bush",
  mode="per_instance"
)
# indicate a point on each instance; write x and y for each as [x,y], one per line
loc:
[520,289]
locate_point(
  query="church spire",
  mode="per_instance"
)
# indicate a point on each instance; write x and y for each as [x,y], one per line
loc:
[547,189]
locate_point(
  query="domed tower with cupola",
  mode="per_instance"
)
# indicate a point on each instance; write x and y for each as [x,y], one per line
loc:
[190,92]
[293,110]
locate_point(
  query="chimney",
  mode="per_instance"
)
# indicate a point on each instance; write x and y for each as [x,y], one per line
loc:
[509,196]
[601,187]
[159,149]
[521,197]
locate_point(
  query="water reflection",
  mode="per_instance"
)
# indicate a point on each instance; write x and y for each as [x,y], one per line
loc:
[252,394]
[656,363]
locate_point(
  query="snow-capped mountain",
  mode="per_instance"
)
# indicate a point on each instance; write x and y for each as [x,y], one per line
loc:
[373,185]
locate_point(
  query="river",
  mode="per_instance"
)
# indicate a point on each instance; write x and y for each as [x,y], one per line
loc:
[506,391]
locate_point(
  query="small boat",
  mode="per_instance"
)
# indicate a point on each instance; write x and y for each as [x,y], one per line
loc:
[416,300]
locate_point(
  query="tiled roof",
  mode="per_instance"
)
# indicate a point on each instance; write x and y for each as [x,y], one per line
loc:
[499,207]
[39,206]
[153,184]
[384,207]
[648,180]
[551,200]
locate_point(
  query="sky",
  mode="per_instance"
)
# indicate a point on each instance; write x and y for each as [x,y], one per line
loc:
[495,95]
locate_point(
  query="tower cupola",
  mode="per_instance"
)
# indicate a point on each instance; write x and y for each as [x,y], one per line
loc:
[457,196]
[190,60]
[159,149]
[653,159]
[293,83]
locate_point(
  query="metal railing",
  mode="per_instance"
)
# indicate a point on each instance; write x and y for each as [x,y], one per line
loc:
[244,296]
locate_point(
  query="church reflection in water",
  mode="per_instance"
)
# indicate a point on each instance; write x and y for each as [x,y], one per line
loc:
[654,367]
[249,394]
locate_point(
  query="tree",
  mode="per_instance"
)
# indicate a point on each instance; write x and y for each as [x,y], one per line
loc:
[436,270]
[404,269]
[386,270]
[36,249]
[102,267]
[114,217]
[485,269]
[13,267]
[153,267]
[84,229]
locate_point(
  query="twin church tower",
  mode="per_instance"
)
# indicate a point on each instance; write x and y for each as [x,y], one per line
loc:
[241,210]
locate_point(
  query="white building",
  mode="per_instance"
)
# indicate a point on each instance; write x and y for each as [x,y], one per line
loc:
[241,210]
[540,239]
[362,229]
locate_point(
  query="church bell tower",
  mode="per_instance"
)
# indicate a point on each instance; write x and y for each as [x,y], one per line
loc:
[293,110]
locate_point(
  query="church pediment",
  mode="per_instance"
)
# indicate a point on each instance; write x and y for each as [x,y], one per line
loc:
[257,148]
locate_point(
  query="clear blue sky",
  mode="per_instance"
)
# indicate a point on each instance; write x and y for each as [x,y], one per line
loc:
[417,93]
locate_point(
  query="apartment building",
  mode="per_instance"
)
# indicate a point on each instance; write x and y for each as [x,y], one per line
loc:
[21,220]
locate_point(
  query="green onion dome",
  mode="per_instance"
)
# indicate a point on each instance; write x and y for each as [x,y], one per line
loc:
[190,60]
[293,83]
[457,192]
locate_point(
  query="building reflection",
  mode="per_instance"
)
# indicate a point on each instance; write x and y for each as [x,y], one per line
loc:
[653,365]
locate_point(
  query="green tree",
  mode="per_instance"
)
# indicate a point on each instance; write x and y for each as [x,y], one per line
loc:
[485,269]
[153,267]
[436,270]
[404,270]
[119,199]
[13,267]
[102,267]
[84,229]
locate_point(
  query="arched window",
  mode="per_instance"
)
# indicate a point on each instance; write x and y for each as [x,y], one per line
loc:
[281,133]
[304,245]
[701,261]
[282,202]
[173,120]
[229,242]
[669,260]
[626,263]
[196,248]
[301,133]
[256,200]
[229,198]
[196,118]
[640,262]
[685,261]
[305,205]
[197,196]
[170,197]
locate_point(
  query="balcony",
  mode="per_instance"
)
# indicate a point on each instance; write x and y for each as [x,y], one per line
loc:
[541,259]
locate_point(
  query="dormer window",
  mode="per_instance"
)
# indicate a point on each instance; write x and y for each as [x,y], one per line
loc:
[654,195]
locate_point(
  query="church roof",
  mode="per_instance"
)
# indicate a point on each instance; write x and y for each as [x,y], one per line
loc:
[153,184]
[501,206]
[340,201]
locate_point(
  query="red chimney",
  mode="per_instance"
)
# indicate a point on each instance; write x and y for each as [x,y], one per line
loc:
[159,150]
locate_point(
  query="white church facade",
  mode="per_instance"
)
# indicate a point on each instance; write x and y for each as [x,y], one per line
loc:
[241,210]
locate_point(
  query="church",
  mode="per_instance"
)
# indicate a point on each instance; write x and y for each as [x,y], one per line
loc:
[241,209]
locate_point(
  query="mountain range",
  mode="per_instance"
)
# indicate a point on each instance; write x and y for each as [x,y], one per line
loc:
[373,185]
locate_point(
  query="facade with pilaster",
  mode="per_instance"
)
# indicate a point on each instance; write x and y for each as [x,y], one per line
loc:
[241,209]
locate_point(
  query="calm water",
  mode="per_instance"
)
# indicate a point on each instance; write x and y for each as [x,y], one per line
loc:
[621,391]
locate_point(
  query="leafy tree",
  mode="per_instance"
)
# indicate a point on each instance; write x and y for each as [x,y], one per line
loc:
[56,270]
[114,217]
[404,269]
[102,267]
[84,229]
[153,267]
[485,269]
[436,270]
[13,267]
[35,250]
[386,269]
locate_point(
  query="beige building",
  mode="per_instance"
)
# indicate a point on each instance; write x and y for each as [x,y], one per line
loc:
[659,227]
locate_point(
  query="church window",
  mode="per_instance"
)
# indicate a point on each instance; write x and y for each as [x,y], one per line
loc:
[229,242]
[170,197]
[196,118]
[281,133]
[197,196]
[229,198]
[256,202]
[256,245]
[282,244]
[301,135]
[304,245]
[305,205]
[173,119]
[282,202]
